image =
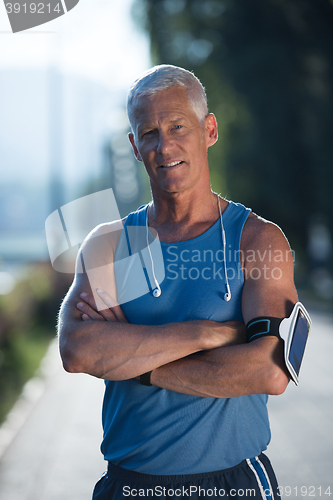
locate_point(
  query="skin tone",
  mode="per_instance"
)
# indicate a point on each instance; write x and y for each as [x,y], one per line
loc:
[172,144]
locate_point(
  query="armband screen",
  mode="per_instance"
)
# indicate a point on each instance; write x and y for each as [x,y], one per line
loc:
[293,330]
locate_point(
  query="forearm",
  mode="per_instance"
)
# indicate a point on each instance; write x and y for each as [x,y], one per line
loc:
[119,351]
[225,372]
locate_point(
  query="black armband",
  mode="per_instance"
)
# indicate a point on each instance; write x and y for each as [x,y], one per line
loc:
[293,330]
[263,326]
[145,379]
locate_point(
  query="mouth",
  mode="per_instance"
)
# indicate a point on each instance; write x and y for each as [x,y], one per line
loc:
[171,164]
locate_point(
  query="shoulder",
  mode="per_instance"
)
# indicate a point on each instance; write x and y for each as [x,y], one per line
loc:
[107,228]
[264,245]
[261,233]
[101,243]
[110,229]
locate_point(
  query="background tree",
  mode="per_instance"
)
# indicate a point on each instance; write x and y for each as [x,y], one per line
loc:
[267,69]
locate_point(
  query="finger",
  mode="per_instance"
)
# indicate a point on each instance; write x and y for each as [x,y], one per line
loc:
[108,315]
[113,305]
[89,299]
[118,312]
[106,298]
[85,308]
[105,313]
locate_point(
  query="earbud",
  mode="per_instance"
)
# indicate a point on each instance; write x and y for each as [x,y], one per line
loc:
[157,292]
[227,295]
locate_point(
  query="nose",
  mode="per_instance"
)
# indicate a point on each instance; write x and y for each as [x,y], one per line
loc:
[163,144]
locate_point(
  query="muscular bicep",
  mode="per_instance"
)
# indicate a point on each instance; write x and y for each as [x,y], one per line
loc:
[69,313]
[269,288]
[94,269]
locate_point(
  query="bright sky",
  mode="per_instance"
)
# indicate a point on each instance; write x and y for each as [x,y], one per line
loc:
[97,39]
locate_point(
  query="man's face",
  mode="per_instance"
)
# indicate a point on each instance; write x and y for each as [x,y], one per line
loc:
[171,142]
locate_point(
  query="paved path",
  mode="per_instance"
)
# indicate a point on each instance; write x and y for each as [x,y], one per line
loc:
[301,449]
[55,453]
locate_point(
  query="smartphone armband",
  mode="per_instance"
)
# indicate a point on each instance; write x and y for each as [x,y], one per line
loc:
[293,330]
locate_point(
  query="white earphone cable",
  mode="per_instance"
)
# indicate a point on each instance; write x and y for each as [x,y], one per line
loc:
[227,295]
[157,291]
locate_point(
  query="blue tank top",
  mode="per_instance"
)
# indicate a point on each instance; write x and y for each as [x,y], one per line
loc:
[156,431]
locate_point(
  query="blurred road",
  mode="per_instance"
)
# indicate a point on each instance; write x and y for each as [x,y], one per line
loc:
[55,453]
[49,448]
[301,449]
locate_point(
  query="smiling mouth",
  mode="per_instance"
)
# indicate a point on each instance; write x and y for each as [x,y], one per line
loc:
[172,164]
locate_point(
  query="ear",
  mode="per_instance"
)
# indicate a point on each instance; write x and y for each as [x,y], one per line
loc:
[135,149]
[211,129]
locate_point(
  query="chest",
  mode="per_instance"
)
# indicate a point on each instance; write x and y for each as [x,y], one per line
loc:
[192,279]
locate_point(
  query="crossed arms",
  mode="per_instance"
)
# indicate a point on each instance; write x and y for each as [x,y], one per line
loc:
[202,358]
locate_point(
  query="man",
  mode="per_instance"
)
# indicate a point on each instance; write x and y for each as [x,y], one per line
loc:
[200,428]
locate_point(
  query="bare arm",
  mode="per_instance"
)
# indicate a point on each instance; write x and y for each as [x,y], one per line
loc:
[109,347]
[252,368]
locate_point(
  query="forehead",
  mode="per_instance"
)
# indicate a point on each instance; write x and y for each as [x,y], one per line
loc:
[163,105]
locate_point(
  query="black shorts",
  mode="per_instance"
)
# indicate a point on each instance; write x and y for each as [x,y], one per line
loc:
[252,478]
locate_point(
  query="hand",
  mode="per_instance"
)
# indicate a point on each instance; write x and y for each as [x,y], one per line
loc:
[112,312]
[235,333]
[223,334]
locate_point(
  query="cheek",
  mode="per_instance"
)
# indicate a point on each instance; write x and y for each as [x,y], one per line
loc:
[146,149]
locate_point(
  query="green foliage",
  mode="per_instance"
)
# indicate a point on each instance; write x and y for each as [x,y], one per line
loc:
[267,69]
[20,356]
[27,324]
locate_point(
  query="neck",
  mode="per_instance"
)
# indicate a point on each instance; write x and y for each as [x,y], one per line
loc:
[175,207]
[182,216]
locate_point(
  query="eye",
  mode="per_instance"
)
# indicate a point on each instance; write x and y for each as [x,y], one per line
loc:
[148,132]
[177,127]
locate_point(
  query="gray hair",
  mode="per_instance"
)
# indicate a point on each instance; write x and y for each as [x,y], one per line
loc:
[163,77]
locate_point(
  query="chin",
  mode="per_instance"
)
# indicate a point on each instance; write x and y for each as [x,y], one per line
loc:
[174,189]
[170,187]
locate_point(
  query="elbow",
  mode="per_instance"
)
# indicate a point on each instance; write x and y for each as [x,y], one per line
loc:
[76,357]
[277,375]
[70,362]
[70,365]
[278,381]
[70,356]
[72,346]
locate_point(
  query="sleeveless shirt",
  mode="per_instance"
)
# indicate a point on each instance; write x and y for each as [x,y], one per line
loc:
[157,431]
